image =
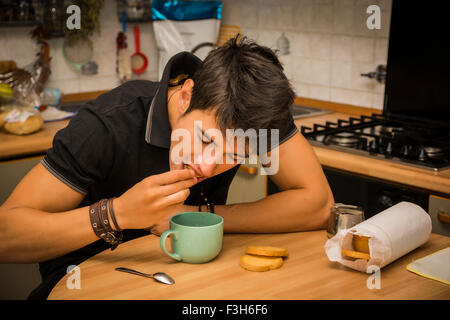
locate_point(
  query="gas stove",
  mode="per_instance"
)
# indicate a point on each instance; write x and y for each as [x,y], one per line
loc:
[409,142]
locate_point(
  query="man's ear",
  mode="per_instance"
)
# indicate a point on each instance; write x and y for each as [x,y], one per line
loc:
[185,95]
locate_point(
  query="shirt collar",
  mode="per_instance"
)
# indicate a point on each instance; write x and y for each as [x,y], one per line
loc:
[158,129]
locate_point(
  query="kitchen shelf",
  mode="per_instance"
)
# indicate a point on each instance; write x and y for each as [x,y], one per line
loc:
[146,16]
[19,23]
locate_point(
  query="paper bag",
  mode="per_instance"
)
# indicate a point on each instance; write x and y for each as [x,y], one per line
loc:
[392,233]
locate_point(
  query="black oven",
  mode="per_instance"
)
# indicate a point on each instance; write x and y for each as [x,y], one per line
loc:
[371,194]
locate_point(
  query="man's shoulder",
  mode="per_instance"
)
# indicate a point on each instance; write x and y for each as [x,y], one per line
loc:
[130,93]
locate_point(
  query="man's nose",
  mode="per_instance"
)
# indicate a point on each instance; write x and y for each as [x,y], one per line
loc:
[208,165]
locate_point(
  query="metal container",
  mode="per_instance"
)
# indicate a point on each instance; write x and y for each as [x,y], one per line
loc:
[343,216]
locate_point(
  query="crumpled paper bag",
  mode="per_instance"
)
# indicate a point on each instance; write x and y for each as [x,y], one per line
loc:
[393,233]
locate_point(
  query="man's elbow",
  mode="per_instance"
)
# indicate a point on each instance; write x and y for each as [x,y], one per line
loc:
[322,214]
[3,246]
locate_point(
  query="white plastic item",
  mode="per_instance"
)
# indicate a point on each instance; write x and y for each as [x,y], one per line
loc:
[181,26]
[392,233]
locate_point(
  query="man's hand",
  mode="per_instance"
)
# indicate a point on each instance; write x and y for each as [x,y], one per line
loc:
[153,199]
[164,223]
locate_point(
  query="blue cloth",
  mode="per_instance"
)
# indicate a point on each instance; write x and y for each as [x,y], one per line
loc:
[186,10]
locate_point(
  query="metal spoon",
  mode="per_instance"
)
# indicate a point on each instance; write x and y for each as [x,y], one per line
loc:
[159,276]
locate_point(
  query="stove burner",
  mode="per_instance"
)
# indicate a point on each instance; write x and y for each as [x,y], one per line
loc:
[391,130]
[344,139]
[434,152]
[415,143]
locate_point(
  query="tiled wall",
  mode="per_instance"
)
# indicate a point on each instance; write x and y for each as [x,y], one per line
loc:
[16,44]
[330,46]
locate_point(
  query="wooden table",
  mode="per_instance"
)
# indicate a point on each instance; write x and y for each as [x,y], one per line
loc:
[306,274]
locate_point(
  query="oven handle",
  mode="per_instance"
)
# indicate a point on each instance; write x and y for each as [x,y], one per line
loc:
[249,170]
[443,217]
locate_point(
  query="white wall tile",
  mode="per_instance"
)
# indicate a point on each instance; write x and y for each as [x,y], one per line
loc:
[363,49]
[266,17]
[89,83]
[381,50]
[231,12]
[361,98]
[303,15]
[301,89]
[341,95]
[319,92]
[343,18]
[341,74]
[284,17]
[378,100]
[320,72]
[302,70]
[321,46]
[248,14]
[301,45]
[287,63]
[341,48]
[322,18]
[22,48]
[65,86]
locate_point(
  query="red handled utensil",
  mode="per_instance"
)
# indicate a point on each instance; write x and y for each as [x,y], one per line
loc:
[139,61]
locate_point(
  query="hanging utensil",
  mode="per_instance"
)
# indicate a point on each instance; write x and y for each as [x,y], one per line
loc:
[123,65]
[139,61]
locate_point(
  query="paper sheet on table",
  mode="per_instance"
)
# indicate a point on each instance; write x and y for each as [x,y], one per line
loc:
[435,266]
[55,114]
[392,233]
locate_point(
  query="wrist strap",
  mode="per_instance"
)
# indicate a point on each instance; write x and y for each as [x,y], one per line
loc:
[113,214]
[98,214]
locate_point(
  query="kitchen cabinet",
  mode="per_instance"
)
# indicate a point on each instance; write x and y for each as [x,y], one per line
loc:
[439,210]
[17,280]
[248,185]
[11,172]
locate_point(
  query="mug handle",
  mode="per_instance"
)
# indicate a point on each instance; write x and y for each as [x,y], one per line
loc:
[162,244]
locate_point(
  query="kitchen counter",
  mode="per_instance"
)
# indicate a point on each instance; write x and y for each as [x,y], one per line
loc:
[439,182]
[306,274]
[13,146]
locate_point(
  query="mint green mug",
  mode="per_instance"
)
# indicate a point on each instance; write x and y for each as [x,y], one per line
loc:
[195,237]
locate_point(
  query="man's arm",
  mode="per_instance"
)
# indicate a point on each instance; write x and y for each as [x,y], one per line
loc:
[38,221]
[303,204]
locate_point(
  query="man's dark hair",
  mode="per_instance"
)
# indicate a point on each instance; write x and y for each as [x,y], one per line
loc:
[245,81]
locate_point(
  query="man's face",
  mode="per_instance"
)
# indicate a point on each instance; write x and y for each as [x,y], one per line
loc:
[198,143]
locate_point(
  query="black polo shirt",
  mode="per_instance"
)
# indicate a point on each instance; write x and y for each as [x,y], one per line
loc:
[113,143]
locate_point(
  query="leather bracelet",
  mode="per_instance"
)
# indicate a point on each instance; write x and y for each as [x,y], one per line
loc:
[113,214]
[104,215]
[97,226]
[98,213]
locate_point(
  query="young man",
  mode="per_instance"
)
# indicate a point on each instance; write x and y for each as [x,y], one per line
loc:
[119,147]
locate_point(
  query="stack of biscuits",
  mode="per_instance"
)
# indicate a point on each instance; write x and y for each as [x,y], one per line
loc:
[263,258]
